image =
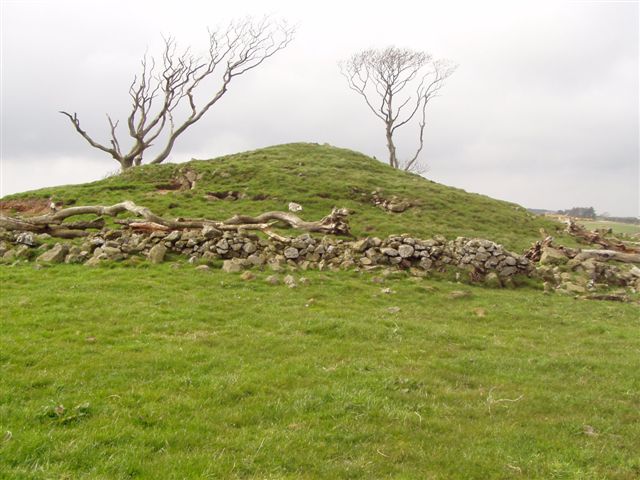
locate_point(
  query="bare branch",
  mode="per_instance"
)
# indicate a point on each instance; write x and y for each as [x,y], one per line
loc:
[76,124]
[382,75]
[335,223]
[161,87]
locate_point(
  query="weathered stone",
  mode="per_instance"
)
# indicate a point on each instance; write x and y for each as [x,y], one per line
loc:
[232,266]
[482,256]
[425,263]
[203,268]
[290,282]
[173,236]
[111,252]
[75,258]
[508,271]
[157,253]
[553,256]
[360,245]
[397,207]
[491,263]
[21,251]
[208,256]
[492,280]
[291,252]
[247,275]
[299,244]
[26,238]
[56,255]
[256,260]
[347,264]
[95,260]
[389,252]
[272,279]
[276,264]
[405,251]
[570,287]
[249,248]
[510,261]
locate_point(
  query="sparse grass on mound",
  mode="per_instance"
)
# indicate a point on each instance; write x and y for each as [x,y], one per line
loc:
[114,373]
[317,177]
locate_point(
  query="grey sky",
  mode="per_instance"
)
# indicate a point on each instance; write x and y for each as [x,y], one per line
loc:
[542,111]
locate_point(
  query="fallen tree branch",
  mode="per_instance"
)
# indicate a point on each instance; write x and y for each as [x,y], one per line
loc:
[52,223]
[597,238]
[334,223]
[605,255]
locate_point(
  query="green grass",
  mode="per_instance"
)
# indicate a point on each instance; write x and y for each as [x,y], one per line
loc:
[175,373]
[153,372]
[616,227]
[318,177]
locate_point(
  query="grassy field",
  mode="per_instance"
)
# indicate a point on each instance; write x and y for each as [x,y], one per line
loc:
[318,177]
[154,372]
[616,227]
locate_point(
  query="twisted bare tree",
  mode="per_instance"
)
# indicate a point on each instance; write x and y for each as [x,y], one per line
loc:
[397,84]
[167,87]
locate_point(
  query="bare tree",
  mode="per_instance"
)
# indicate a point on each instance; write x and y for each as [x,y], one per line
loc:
[397,84]
[163,86]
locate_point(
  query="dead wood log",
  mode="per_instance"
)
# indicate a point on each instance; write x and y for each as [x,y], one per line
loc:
[596,238]
[606,255]
[535,252]
[143,226]
[335,223]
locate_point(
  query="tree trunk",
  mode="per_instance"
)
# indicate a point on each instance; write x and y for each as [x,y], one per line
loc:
[605,255]
[335,223]
[393,159]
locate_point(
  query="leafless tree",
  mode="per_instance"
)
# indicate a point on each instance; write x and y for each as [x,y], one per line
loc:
[168,87]
[397,84]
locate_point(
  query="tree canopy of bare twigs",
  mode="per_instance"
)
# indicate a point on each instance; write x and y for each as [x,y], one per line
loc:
[397,84]
[167,86]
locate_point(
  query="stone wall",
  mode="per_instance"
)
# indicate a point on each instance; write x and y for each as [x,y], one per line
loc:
[242,250]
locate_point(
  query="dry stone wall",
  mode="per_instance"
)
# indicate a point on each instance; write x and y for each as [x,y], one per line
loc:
[242,250]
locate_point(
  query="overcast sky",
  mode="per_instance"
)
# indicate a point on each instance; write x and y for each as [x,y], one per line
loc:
[542,111]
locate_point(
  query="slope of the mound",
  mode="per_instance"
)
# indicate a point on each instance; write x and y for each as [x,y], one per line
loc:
[317,177]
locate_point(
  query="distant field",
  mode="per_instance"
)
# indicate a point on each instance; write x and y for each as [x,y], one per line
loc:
[161,373]
[616,227]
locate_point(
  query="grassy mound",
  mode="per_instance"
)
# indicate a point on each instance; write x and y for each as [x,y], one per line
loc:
[318,177]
